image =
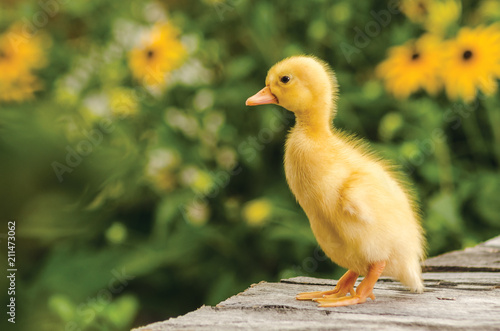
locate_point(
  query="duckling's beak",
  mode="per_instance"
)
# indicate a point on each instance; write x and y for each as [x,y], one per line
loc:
[263,97]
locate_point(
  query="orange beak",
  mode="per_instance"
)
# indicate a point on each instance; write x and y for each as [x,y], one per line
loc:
[263,97]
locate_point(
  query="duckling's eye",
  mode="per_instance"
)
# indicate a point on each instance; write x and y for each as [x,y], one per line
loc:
[285,79]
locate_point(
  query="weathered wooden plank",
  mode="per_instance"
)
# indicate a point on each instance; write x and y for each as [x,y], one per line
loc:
[495,242]
[484,257]
[450,302]
[484,280]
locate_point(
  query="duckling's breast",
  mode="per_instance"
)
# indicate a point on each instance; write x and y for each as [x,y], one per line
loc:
[315,172]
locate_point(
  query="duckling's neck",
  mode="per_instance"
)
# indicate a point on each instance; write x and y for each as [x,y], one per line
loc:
[315,122]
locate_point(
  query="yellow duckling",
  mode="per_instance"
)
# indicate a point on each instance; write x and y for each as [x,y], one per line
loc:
[360,213]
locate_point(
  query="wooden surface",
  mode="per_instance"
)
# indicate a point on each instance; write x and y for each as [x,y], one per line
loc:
[484,257]
[467,299]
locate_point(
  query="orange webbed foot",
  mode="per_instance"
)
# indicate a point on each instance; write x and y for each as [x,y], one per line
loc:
[315,295]
[344,285]
[343,301]
[364,290]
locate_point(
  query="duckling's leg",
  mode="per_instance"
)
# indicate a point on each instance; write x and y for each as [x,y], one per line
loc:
[344,285]
[363,291]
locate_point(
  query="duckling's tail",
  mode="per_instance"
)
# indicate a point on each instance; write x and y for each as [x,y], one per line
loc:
[412,277]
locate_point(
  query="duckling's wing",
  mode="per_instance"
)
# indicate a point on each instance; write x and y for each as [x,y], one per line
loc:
[360,196]
[357,205]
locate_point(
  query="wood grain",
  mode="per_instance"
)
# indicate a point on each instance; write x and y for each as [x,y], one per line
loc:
[464,300]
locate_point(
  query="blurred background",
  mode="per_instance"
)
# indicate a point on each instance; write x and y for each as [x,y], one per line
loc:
[143,188]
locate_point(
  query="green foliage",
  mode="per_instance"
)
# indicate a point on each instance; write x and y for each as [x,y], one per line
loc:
[150,223]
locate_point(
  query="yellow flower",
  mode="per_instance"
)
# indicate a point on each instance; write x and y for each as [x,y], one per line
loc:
[488,10]
[18,89]
[199,180]
[116,233]
[435,15]
[161,53]
[20,54]
[202,182]
[412,66]
[123,102]
[472,62]
[257,211]
[441,15]
[415,10]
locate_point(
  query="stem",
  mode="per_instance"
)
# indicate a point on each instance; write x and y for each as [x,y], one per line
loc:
[473,134]
[491,106]
[445,167]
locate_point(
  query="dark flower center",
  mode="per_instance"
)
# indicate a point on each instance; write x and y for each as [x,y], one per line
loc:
[150,54]
[467,55]
[2,54]
[415,56]
[421,6]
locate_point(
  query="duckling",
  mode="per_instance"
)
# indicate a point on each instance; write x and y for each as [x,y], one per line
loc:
[360,211]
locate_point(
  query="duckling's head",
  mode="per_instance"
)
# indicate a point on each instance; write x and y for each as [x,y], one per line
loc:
[302,84]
